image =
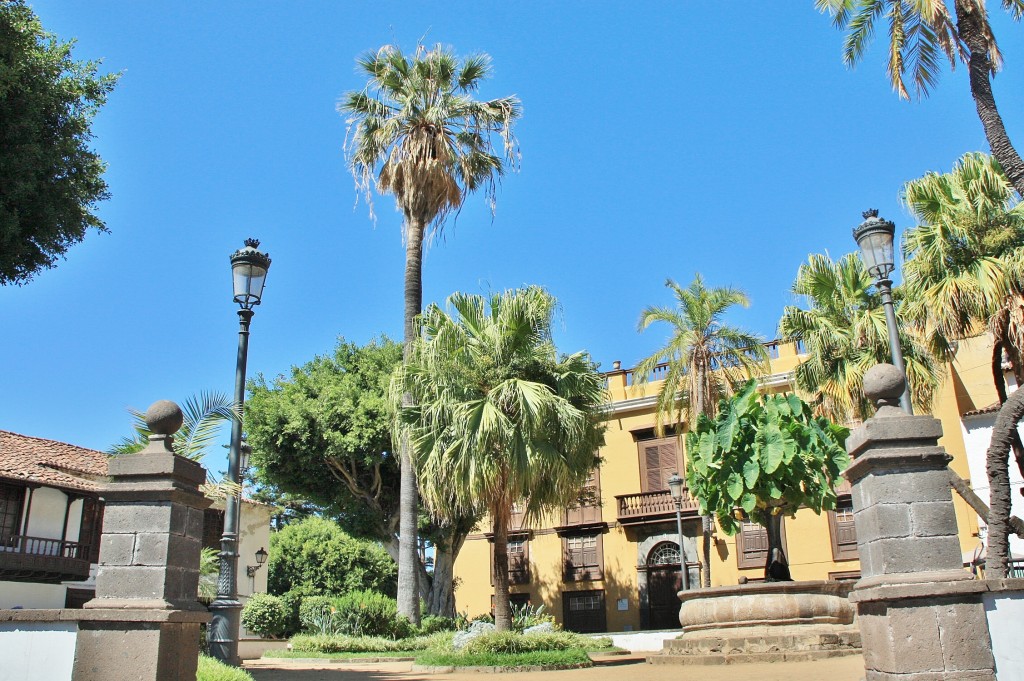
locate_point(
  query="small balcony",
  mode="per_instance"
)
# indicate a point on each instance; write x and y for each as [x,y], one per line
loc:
[39,559]
[649,507]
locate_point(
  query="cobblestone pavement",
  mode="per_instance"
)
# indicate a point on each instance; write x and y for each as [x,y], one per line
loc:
[626,669]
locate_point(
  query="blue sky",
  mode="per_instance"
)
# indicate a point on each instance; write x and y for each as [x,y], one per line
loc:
[657,141]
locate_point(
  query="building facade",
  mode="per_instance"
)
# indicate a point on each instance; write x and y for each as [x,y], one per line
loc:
[616,564]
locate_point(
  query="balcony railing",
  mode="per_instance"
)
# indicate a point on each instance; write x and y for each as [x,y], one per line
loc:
[43,559]
[650,506]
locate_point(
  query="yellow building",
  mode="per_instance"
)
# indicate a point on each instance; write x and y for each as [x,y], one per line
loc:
[615,565]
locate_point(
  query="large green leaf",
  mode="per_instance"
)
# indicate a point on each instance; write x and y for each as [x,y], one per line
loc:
[751,471]
[734,488]
[773,448]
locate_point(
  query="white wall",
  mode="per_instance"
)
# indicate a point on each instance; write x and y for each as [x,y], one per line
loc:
[31,595]
[43,651]
[46,517]
[1005,613]
[977,432]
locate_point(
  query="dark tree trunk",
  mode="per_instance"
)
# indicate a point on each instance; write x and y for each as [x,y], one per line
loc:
[999,485]
[502,607]
[408,559]
[776,567]
[970,22]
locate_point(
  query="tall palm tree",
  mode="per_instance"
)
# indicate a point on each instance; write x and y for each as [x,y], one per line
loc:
[706,360]
[921,34]
[499,418]
[844,332]
[965,262]
[417,133]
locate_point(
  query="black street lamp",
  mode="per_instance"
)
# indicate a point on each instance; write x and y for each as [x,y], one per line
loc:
[875,237]
[249,273]
[261,558]
[675,488]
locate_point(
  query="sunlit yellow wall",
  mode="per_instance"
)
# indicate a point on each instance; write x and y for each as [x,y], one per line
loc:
[966,385]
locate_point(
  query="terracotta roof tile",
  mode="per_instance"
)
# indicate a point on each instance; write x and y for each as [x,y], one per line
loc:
[990,409]
[48,462]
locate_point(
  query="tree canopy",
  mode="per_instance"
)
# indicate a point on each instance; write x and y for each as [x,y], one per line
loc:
[323,434]
[51,179]
[764,457]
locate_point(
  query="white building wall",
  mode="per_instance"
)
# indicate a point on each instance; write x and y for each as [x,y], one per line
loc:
[31,595]
[977,432]
[46,516]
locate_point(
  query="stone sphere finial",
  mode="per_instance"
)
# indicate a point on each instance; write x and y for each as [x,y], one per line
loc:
[164,417]
[883,385]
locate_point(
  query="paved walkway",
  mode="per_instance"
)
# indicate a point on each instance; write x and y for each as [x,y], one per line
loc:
[626,669]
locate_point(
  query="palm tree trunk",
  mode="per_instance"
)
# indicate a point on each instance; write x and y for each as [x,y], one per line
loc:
[408,499]
[999,485]
[502,607]
[970,20]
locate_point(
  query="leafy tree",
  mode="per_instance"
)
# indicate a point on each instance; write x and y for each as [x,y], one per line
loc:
[921,33]
[499,418]
[316,557]
[844,332]
[705,358]
[763,458]
[322,437]
[51,180]
[417,133]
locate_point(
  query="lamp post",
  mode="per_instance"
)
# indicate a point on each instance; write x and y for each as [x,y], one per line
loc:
[874,237]
[675,488]
[249,268]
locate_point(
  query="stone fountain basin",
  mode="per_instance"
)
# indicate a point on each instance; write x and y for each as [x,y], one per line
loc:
[765,608]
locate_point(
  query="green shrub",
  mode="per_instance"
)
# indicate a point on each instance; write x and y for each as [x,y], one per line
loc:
[316,556]
[265,615]
[292,601]
[367,613]
[547,658]
[432,624]
[339,643]
[215,670]
[317,615]
[514,642]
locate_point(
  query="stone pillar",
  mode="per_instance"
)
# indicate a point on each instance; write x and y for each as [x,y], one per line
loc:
[144,623]
[921,615]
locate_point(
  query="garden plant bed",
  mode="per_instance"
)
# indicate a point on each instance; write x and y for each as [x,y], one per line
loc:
[535,661]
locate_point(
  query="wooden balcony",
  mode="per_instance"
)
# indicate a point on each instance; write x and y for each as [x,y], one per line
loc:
[39,559]
[648,507]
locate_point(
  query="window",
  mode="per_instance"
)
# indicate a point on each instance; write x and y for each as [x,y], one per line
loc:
[843,531]
[659,459]
[589,508]
[518,549]
[752,545]
[583,611]
[665,553]
[584,557]
[12,498]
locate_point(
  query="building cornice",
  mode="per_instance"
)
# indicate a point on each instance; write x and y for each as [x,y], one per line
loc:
[784,378]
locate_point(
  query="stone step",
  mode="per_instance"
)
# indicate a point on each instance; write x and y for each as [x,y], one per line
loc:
[750,658]
[762,644]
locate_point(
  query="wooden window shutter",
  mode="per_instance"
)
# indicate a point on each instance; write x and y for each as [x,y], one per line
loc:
[659,460]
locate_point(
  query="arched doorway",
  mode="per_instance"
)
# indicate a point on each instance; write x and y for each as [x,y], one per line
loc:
[663,582]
